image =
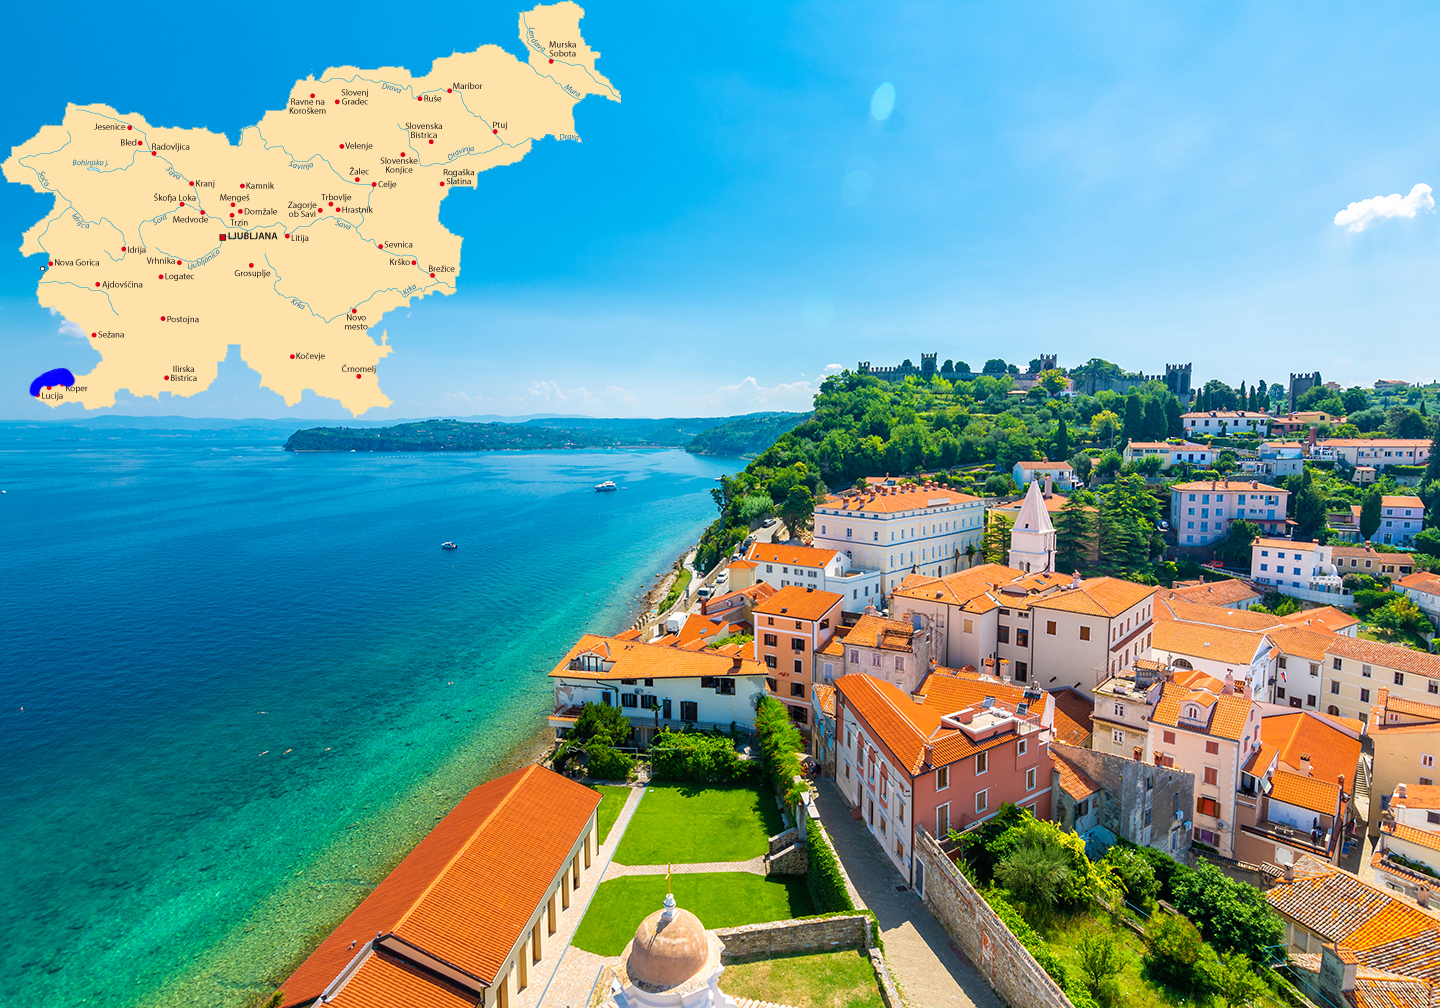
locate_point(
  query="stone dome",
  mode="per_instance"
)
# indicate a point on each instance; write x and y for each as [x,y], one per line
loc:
[668,951]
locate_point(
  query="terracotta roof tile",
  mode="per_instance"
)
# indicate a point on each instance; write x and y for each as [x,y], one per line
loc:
[795,602]
[1073,779]
[383,984]
[1332,753]
[464,894]
[826,695]
[1101,596]
[892,500]
[1305,792]
[886,634]
[1302,642]
[1220,593]
[802,556]
[1235,619]
[1425,581]
[1222,716]
[634,660]
[1073,714]
[1420,796]
[1392,656]
[1221,644]
[1411,834]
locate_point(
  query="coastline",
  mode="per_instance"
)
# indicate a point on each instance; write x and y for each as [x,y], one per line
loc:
[221,970]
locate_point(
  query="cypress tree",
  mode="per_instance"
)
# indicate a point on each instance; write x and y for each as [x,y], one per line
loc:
[1074,534]
[1370,513]
[1060,447]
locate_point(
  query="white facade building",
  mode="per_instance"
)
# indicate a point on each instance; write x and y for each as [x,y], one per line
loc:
[1061,474]
[829,570]
[1225,421]
[1170,454]
[1376,452]
[901,529]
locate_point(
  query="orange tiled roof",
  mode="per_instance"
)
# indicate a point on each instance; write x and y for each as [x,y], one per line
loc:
[634,660]
[1391,656]
[742,565]
[1073,779]
[466,892]
[1234,647]
[1326,618]
[1218,593]
[960,587]
[879,632]
[1073,714]
[906,728]
[1222,716]
[826,695]
[1227,486]
[1099,596]
[380,983]
[1302,642]
[1410,834]
[798,556]
[1305,792]
[1419,796]
[1360,552]
[795,602]
[889,500]
[1425,581]
[1332,753]
[1235,619]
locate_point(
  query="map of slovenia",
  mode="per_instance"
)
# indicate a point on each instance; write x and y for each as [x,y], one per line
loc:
[167,245]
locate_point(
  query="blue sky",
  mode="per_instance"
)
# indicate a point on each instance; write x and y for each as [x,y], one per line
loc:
[1146,183]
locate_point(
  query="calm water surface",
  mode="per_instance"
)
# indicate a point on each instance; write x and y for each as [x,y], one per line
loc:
[251,680]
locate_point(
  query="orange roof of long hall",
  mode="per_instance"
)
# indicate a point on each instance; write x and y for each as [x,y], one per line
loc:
[879,632]
[466,892]
[630,659]
[1097,596]
[889,500]
[798,556]
[795,602]
[983,588]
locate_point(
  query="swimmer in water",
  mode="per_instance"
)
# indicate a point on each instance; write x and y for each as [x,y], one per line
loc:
[265,753]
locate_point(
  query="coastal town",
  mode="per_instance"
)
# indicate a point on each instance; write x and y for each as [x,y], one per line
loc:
[1085,688]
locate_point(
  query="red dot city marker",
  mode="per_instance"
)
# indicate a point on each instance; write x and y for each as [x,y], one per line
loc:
[242,185]
[252,265]
[320,209]
[162,318]
[357,376]
[494,131]
[374,183]
[182,202]
[432,276]
[160,277]
[357,179]
[122,248]
[337,101]
[153,154]
[382,246]
[93,335]
[552,61]
[129,127]
[97,283]
[331,203]
[241,210]
[232,215]
[342,146]
[312,94]
[192,184]
[52,262]
[292,356]
[140,142]
[419,99]
[352,311]
[414,263]
[432,141]
[232,204]
[167,377]
[287,236]
[202,213]
[442,185]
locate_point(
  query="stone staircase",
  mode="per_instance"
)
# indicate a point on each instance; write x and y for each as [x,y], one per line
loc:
[1360,796]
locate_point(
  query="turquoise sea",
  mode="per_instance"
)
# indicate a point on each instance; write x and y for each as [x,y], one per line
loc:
[238,684]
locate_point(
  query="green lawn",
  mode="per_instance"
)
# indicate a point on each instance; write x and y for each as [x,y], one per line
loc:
[1404,638]
[612,800]
[719,899]
[692,823]
[840,979]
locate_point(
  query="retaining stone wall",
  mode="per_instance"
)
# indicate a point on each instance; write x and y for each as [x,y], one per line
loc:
[795,936]
[780,841]
[1005,964]
[794,860]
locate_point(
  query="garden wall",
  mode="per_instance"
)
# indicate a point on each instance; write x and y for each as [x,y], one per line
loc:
[776,937]
[1005,964]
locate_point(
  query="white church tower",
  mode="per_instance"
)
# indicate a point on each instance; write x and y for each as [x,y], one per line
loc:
[1032,540]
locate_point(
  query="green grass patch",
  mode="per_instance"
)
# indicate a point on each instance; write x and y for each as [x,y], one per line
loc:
[1405,638]
[685,823]
[840,979]
[673,595]
[719,899]
[612,800]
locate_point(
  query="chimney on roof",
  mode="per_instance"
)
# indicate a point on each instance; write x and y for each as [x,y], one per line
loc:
[1399,790]
[1049,486]
[1422,895]
[1075,580]
[879,637]
[735,663]
[1229,688]
[1289,871]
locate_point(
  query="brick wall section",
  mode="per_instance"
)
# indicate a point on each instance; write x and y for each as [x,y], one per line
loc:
[1005,964]
[795,936]
[791,861]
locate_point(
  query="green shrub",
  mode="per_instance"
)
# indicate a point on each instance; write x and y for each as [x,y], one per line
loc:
[691,756]
[1173,950]
[602,723]
[780,746]
[1033,943]
[1135,872]
[827,884]
[607,764]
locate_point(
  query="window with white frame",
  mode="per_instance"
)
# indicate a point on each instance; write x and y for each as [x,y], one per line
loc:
[942,778]
[982,801]
[982,763]
[1030,779]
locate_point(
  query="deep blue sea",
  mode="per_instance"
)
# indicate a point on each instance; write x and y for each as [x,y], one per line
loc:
[238,684]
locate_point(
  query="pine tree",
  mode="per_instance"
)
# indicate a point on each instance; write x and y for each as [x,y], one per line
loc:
[1309,509]
[1074,534]
[1432,465]
[1174,424]
[1060,447]
[1155,421]
[996,542]
[1134,417]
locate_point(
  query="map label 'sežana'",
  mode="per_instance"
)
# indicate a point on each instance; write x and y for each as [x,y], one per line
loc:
[167,245]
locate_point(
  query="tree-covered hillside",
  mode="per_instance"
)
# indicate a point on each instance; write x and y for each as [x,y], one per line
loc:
[744,437]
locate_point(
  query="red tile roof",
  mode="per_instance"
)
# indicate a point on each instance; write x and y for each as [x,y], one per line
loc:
[795,602]
[889,500]
[1099,596]
[1073,778]
[1332,752]
[634,660]
[799,556]
[1073,714]
[1219,593]
[467,891]
[380,983]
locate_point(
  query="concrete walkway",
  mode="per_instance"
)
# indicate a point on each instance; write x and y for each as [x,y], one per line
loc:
[928,968]
[755,866]
[565,977]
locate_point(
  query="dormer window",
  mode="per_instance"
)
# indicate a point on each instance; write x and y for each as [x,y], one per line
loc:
[1192,713]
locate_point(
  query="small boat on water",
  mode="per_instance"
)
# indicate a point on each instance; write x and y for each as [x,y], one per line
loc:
[448,545]
[607,485]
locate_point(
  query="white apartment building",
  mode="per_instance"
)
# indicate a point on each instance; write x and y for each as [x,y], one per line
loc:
[1377,452]
[1170,454]
[1200,512]
[1061,474]
[900,530]
[828,570]
[1225,421]
[1401,517]
[1423,587]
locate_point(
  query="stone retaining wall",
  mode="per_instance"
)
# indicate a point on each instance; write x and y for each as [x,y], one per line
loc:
[780,841]
[775,937]
[1005,964]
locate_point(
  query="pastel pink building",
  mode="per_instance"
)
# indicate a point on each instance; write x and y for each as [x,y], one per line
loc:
[944,757]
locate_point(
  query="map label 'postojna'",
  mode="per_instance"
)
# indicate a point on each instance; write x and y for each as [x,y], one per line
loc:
[341,164]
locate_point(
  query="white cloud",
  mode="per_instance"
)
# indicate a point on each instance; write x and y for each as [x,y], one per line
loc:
[1359,216]
[751,396]
[68,328]
[833,369]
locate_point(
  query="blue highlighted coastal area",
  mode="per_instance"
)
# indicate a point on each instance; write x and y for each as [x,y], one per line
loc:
[58,376]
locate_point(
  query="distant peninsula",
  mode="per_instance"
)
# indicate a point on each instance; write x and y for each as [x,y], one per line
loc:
[729,436]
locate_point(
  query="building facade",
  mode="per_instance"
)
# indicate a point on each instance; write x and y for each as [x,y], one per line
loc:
[1170,454]
[1147,805]
[791,628]
[1223,422]
[782,565]
[900,529]
[1200,512]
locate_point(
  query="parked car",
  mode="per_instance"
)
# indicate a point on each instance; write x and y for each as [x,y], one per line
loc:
[703,592]
[724,576]
[768,523]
